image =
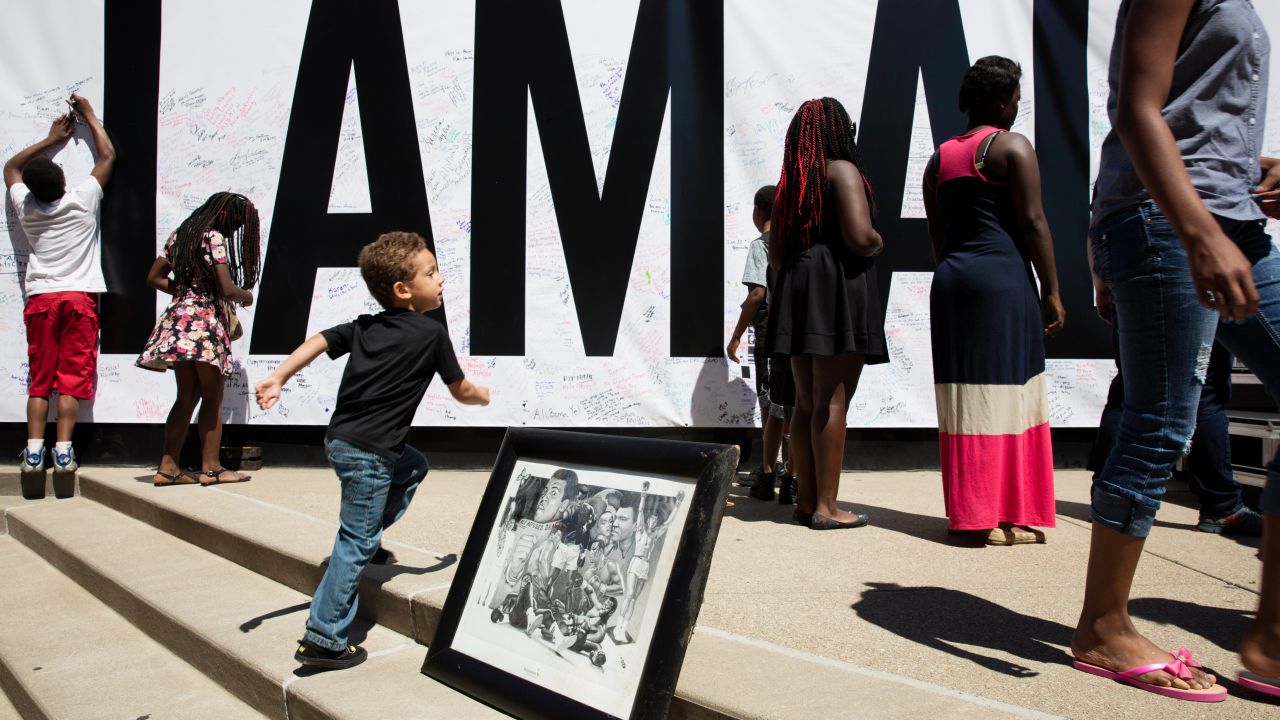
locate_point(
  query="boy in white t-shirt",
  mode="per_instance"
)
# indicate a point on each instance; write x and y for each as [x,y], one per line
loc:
[64,276]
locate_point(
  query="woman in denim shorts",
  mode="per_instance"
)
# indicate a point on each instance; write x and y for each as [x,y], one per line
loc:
[1178,236]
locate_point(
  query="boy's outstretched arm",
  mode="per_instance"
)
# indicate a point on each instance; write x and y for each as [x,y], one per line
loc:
[468,393]
[268,391]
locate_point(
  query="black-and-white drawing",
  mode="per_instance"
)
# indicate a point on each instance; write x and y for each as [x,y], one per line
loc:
[575,566]
[579,587]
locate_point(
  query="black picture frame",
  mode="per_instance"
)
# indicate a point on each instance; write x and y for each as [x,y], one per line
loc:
[706,469]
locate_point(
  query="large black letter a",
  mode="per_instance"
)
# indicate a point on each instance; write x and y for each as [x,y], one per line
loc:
[304,236]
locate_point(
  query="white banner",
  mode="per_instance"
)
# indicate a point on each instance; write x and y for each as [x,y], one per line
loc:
[227,86]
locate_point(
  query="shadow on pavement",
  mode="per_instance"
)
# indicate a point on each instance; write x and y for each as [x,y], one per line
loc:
[925,527]
[1223,627]
[944,619]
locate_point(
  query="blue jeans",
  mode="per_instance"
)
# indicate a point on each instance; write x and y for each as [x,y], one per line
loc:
[375,494]
[1166,340]
[1209,472]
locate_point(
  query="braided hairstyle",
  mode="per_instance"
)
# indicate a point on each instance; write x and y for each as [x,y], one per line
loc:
[820,131]
[236,219]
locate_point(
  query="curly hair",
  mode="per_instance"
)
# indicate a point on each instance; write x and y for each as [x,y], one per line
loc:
[44,178]
[764,200]
[387,261]
[991,78]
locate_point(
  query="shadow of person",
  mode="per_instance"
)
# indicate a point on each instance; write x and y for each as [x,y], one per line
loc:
[379,574]
[254,622]
[236,395]
[721,397]
[1073,510]
[944,619]
[1224,627]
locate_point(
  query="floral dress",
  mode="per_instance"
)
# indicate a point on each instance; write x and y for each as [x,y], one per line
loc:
[194,326]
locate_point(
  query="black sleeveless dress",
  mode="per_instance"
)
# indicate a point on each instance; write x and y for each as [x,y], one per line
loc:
[826,300]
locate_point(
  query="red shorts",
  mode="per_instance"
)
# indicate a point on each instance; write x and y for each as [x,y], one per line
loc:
[62,344]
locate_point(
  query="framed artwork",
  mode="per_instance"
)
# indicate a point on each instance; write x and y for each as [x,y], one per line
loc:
[581,581]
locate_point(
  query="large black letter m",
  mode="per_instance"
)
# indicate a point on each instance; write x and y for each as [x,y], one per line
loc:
[522,52]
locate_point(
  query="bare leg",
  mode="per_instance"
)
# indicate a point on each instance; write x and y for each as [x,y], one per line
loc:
[209,421]
[1260,650]
[37,416]
[68,407]
[802,460]
[1105,635]
[834,381]
[785,443]
[175,426]
[772,442]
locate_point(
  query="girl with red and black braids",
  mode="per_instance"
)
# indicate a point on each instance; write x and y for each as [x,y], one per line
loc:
[827,316]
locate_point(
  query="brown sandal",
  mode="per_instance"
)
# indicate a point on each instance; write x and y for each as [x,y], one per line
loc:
[213,477]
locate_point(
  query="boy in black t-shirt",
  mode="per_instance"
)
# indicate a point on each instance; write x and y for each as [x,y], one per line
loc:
[394,356]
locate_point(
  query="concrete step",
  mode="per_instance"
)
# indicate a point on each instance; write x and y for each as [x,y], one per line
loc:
[285,546]
[723,675]
[233,625]
[63,654]
[7,710]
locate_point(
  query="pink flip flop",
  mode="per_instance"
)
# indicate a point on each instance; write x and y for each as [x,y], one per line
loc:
[1261,683]
[1179,667]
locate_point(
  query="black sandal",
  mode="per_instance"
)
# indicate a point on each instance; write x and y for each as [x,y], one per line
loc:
[214,476]
[178,478]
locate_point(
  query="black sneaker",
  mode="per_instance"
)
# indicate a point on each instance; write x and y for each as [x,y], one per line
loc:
[313,655]
[1241,522]
[786,487]
[762,489]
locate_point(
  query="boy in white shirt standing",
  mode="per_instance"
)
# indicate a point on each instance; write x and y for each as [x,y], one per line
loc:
[64,276]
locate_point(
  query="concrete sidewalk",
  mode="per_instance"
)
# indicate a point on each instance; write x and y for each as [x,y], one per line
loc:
[900,598]
[897,606]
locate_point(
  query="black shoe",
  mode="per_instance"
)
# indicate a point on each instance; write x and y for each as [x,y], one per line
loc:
[748,480]
[313,655]
[786,487]
[763,487]
[382,556]
[822,522]
[1241,522]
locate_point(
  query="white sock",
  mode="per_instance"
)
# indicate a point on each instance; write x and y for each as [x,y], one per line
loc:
[35,445]
[62,447]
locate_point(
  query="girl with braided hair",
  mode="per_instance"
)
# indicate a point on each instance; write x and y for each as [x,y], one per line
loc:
[214,260]
[827,316]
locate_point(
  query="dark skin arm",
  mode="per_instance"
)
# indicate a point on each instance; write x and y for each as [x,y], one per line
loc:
[750,306]
[1222,276]
[227,287]
[106,160]
[158,276]
[850,193]
[931,210]
[777,251]
[59,133]
[1267,192]
[1011,157]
